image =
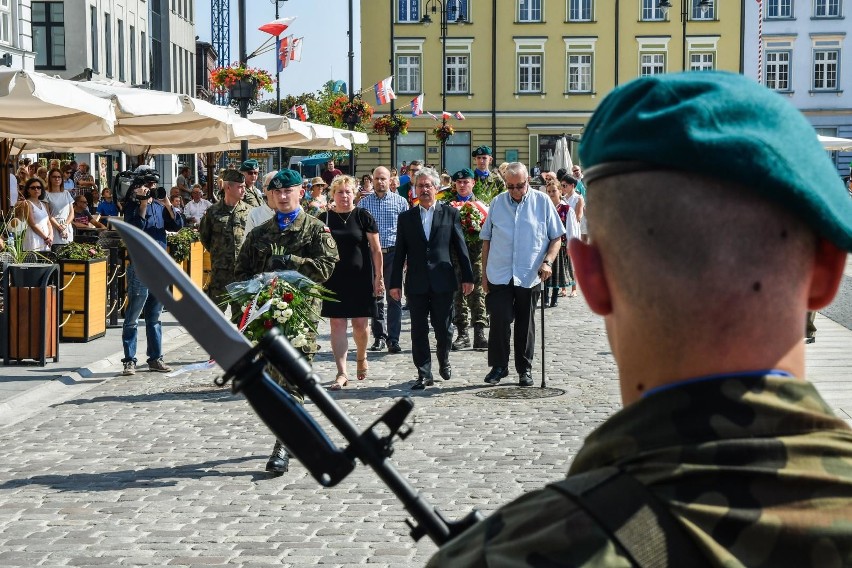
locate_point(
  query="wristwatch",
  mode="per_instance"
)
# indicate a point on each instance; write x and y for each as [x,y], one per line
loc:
[548,263]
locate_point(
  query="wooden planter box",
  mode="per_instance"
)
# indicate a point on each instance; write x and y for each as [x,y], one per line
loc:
[194,265]
[208,269]
[83,300]
[30,292]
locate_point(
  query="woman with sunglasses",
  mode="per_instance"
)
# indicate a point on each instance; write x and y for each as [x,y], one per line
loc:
[39,233]
[61,207]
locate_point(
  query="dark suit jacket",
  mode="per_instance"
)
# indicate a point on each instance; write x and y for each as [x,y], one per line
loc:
[429,266]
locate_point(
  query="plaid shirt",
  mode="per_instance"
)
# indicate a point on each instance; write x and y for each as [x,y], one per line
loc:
[385,210]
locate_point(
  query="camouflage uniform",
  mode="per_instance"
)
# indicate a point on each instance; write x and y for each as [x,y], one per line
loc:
[222,233]
[470,309]
[756,470]
[252,199]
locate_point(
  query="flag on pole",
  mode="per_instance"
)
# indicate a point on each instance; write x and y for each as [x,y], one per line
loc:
[432,115]
[296,49]
[446,115]
[285,45]
[417,105]
[277,27]
[384,91]
[459,115]
[301,112]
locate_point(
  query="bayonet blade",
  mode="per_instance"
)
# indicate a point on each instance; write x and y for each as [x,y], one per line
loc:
[192,308]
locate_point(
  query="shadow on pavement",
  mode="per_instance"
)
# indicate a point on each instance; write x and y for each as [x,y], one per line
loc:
[211,394]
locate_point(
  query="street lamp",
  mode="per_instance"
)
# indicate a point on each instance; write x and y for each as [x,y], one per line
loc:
[452,9]
[666,5]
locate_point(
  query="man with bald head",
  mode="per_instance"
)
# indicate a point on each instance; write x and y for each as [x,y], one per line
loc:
[723,455]
[385,207]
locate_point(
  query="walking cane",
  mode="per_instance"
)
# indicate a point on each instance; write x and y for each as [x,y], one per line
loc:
[543,299]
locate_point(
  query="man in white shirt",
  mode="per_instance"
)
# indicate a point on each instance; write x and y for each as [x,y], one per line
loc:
[196,208]
[260,215]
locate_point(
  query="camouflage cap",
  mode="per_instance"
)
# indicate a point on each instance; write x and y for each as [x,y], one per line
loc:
[725,126]
[233,176]
[465,173]
[286,178]
[481,151]
[249,165]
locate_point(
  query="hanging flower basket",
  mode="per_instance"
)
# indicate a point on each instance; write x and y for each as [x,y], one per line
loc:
[241,82]
[444,131]
[345,112]
[391,124]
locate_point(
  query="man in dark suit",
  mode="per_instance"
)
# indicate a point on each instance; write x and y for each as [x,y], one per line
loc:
[430,278]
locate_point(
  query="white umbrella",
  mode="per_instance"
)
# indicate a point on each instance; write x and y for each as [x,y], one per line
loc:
[33,105]
[561,156]
[832,143]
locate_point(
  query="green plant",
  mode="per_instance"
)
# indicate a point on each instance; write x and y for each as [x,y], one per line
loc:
[180,243]
[391,124]
[223,78]
[81,251]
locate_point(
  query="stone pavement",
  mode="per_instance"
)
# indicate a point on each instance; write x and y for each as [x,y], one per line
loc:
[156,470]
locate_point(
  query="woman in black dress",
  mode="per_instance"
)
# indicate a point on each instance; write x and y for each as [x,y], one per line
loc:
[357,276]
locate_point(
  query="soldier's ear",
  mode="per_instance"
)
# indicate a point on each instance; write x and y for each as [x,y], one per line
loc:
[826,274]
[589,271]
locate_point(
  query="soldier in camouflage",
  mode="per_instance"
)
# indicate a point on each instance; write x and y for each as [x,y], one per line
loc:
[469,309]
[222,232]
[291,240]
[483,174]
[253,197]
[723,455]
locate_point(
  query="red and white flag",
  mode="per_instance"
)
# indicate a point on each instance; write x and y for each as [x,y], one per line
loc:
[301,112]
[296,49]
[446,115]
[432,115]
[417,105]
[277,27]
[384,91]
[459,115]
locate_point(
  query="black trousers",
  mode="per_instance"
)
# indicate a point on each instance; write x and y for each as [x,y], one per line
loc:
[439,309]
[507,303]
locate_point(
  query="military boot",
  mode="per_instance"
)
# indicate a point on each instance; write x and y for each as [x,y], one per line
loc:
[462,340]
[480,342]
[279,461]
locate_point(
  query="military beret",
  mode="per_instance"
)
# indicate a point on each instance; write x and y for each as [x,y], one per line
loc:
[286,178]
[724,126]
[482,151]
[233,176]
[466,173]
[249,165]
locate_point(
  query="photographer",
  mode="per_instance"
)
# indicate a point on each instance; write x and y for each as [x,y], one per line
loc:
[146,208]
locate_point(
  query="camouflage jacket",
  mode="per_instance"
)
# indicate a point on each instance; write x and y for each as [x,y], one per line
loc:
[757,470]
[308,241]
[252,197]
[222,232]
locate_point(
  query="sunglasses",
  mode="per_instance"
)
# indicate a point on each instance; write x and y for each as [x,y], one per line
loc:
[35,187]
[511,187]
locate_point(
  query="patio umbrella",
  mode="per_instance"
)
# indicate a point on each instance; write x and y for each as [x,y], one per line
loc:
[835,144]
[561,156]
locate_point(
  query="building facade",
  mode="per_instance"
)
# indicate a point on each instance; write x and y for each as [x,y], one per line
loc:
[16,39]
[523,73]
[796,47]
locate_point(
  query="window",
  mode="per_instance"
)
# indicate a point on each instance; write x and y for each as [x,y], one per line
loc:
[529,10]
[108,44]
[174,65]
[132,55]
[408,11]
[778,70]
[6,21]
[701,62]
[529,73]
[143,56]
[652,64]
[408,73]
[411,146]
[825,69]
[779,8]
[120,31]
[579,10]
[579,73]
[826,8]
[93,17]
[699,13]
[457,152]
[49,34]
[651,11]
[457,73]
[702,52]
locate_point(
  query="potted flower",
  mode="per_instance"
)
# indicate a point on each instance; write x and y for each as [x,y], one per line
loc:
[240,81]
[345,112]
[83,294]
[444,131]
[391,124]
[186,249]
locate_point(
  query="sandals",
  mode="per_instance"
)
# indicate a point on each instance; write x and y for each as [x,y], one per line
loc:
[573,294]
[337,385]
[563,292]
[363,368]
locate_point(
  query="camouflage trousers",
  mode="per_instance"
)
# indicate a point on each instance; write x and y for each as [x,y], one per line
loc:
[309,351]
[216,291]
[470,310]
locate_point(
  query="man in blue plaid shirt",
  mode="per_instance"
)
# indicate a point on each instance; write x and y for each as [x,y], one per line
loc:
[385,206]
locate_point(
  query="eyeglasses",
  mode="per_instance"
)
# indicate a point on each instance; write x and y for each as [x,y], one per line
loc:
[35,187]
[424,185]
[511,187]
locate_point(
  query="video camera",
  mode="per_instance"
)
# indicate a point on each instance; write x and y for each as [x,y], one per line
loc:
[126,184]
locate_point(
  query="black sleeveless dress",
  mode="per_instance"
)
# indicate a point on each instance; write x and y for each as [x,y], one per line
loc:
[352,279]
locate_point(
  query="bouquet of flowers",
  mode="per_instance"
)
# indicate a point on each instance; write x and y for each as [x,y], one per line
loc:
[444,131]
[180,242]
[223,78]
[472,218]
[284,299]
[344,111]
[391,124]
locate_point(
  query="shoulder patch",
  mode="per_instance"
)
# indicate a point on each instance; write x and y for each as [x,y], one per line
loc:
[328,240]
[325,229]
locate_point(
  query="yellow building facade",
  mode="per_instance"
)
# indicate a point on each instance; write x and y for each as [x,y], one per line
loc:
[523,73]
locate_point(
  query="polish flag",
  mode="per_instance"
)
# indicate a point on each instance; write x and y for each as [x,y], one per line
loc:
[277,27]
[459,115]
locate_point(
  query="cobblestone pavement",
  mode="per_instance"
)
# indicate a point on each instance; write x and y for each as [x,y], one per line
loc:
[150,470]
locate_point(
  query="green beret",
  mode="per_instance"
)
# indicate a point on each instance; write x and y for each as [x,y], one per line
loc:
[233,176]
[249,165]
[466,173]
[286,178]
[724,126]
[482,151]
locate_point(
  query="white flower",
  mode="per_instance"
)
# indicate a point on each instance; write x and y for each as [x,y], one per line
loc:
[287,314]
[299,341]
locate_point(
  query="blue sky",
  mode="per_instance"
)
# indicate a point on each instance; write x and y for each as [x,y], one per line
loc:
[323,24]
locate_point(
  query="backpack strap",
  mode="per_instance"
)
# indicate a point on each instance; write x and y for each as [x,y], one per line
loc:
[633,517]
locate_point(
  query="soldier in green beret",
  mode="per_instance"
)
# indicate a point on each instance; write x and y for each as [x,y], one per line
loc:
[251,170]
[483,159]
[291,240]
[724,455]
[471,308]
[222,232]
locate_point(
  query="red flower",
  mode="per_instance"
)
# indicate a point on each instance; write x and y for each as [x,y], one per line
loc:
[268,324]
[288,297]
